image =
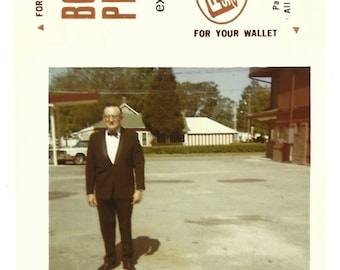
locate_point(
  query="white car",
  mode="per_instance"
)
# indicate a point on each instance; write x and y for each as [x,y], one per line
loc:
[75,154]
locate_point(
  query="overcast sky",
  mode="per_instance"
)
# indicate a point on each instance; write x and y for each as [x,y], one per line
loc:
[231,81]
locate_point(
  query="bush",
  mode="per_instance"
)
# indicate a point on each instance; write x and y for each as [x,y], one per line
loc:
[230,148]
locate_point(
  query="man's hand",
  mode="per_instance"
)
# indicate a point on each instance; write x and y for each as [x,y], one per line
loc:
[91,200]
[137,196]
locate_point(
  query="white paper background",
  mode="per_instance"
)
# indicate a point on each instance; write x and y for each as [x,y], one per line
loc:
[153,39]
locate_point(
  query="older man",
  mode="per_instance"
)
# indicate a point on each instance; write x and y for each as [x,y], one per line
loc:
[114,183]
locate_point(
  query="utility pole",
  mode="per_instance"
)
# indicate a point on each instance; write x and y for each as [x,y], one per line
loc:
[249,112]
[235,115]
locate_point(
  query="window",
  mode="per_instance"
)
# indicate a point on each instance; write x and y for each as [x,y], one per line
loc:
[144,139]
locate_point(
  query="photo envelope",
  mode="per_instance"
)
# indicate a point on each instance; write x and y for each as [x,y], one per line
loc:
[151,33]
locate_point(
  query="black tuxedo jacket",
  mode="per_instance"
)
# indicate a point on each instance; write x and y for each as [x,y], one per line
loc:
[121,178]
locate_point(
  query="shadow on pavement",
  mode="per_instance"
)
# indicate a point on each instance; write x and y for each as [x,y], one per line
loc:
[143,245]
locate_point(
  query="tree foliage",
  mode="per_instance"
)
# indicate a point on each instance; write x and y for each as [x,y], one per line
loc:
[162,110]
[255,98]
[224,111]
[114,84]
[204,99]
[102,79]
[198,99]
[153,92]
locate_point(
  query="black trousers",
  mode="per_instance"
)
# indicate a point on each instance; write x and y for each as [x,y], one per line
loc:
[108,211]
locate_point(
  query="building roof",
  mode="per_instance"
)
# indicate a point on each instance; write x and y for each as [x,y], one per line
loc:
[126,109]
[69,99]
[129,121]
[205,125]
[265,115]
[262,72]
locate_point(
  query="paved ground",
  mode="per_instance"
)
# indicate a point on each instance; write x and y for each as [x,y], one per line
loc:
[211,212]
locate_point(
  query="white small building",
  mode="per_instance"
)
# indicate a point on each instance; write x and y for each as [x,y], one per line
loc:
[205,131]
[83,134]
[131,120]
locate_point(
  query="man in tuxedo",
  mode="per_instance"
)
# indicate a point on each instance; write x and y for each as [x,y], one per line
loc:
[114,183]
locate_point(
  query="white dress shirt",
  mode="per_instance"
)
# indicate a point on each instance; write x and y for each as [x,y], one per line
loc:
[112,143]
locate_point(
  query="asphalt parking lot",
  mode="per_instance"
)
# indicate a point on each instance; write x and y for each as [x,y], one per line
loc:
[199,212]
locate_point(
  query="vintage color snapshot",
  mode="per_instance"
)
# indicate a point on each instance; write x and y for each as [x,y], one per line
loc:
[222,98]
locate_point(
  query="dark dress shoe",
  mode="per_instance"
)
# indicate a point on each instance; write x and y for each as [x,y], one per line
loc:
[107,266]
[128,266]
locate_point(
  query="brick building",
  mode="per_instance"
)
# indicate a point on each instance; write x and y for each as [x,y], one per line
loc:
[288,118]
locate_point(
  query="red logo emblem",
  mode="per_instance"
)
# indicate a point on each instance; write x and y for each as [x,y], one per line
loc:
[221,11]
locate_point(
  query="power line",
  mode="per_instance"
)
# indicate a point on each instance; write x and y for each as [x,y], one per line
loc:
[194,71]
[141,92]
[176,70]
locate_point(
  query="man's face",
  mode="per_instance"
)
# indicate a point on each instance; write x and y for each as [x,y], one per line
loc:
[112,118]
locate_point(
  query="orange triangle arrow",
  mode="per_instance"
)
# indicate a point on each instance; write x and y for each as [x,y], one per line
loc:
[41,27]
[296,29]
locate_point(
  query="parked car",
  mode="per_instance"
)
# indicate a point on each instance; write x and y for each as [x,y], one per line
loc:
[259,139]
[75,154]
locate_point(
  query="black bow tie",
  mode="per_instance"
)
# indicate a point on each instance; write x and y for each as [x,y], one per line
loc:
[113,134]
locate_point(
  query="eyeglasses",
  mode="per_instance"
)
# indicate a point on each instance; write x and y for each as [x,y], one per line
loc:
[111,116]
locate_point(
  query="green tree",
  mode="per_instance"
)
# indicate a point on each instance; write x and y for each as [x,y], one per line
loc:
[255,98]
[114,85]
[91,80]
[198,99]
[224,111]
[162,110]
